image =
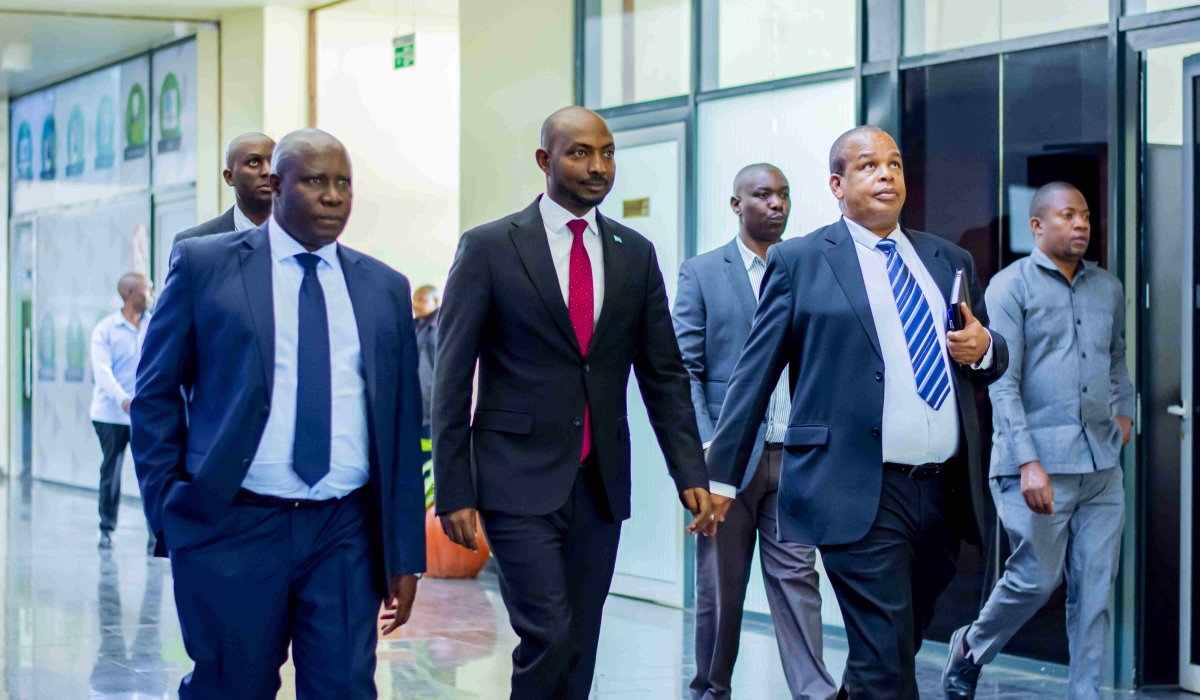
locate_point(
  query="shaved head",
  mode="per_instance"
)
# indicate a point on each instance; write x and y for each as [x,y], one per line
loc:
[129,283]
[252,141]
[751,174]
[837,154]
[301,144]
[1045,196]
[566,121]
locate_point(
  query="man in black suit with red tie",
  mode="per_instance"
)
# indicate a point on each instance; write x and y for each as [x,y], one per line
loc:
[556,304]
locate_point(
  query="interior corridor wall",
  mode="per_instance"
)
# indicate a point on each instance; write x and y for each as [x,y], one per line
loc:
[517,68]
[4,356]
[400,126]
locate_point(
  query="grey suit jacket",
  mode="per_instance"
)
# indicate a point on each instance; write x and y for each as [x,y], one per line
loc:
[714,308]
[221,224]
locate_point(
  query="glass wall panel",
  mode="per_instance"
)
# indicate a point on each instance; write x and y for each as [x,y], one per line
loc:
[761,40]
[1137,7]
[938,25]
[792,129]
[637,51]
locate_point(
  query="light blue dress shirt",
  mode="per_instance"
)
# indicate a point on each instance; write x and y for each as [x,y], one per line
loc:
[116,349]
[271,471]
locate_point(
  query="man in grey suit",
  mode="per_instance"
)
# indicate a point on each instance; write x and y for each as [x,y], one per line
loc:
[714,308]
[248,172]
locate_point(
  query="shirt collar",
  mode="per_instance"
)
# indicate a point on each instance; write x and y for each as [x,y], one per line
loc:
[555,217]
[241,222]
[748,256]
[284,246]
[122,321]
[864,237]
[1042,260]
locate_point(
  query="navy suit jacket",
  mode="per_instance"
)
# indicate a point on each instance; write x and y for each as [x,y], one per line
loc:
[714,307]
[214,334]
[221,224]
[814,314]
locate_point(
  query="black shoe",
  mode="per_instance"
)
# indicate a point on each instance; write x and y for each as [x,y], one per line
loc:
[105,541]
[962,673]
[150,545]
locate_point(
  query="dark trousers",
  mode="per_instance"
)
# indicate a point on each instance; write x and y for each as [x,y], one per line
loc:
[723,567]
[887,584]
[555,571]
[277,574]
[114,438]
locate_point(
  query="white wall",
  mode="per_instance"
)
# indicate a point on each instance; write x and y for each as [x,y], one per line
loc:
[769,39]
[1164,93]
[938,25]
[517,68]
[401,128]
[6,352]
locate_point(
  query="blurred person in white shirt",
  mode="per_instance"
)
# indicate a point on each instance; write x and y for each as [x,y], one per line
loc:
[116,349]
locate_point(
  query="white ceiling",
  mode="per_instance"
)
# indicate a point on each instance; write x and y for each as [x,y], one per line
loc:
[157,9]
[63,46]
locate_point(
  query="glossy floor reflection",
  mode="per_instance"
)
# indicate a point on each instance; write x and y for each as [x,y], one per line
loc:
[79,623]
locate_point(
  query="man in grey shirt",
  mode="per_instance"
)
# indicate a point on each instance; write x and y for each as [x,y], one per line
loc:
[1061,415]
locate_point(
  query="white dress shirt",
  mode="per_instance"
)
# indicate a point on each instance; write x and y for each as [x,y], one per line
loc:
[241,222]
[913,432]
[116,349]
[271,471]
[780,409]
[555,219]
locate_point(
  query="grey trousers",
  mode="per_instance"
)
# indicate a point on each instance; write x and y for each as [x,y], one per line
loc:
[1084,538]
[723,565]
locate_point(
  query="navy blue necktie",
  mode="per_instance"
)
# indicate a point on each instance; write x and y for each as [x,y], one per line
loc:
[924,350]
[310,451]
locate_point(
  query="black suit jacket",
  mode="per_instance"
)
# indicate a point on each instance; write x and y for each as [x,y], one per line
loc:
[221,224]
[214,333]
[814,314]
[505,310]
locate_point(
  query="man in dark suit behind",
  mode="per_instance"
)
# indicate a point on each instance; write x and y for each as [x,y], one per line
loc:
[292,501]
[556,304]
[248,171]
[718,293]
[881,470]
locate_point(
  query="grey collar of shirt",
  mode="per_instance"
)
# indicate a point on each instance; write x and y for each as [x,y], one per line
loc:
[1043,261]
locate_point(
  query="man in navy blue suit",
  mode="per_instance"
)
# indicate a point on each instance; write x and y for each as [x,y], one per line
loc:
[881,468]
[288,490]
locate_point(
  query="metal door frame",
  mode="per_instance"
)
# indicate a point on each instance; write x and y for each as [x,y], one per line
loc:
[1189,673]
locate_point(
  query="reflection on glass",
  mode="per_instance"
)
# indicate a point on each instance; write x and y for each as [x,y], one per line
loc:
[638,50]
[1164,98]
[792,129]
[1138,7]
[760,40]
[1055,128]
[939,25]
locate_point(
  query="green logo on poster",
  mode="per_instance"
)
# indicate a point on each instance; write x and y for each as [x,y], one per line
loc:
[74,371]
[75,143]
[169,107]
[45,349]
[49,148]
[105,153]
[135,123]
[24,152]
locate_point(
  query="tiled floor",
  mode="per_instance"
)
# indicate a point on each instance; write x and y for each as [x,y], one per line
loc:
[78,623]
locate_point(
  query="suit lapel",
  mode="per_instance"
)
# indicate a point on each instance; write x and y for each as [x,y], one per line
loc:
[362,299]
[256,276]
[936,264]
[529,236]
[614,273]
[839,251]
[739,278]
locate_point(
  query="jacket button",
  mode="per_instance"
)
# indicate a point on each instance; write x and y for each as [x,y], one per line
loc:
[587,368]
[875,432]
[879,376]
[578,422]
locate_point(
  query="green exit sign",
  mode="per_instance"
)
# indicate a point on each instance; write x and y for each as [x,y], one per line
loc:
[406,50]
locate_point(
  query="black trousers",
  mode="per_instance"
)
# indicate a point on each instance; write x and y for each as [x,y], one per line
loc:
[114,438]
[887,584]
[555,571]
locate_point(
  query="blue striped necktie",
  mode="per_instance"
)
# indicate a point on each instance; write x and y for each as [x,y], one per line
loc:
[929,369]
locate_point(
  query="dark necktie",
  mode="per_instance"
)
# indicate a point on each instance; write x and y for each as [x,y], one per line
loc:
[581,305]
[310,450]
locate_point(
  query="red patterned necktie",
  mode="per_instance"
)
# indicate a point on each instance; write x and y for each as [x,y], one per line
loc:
[581,305]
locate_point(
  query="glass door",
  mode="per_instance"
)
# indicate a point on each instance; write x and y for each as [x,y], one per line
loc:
[648,196]
[20,314]
[1189,565]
